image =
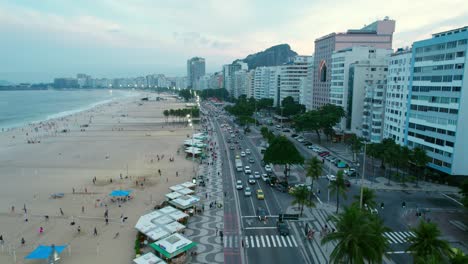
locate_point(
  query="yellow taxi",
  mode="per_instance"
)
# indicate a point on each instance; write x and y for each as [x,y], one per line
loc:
[260,194]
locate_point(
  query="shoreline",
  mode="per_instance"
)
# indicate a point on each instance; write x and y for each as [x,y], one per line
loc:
[66,113]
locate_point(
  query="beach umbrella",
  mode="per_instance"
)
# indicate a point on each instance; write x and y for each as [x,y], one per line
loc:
[119,193]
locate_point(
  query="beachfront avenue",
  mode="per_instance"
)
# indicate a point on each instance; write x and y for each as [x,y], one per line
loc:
[246,236]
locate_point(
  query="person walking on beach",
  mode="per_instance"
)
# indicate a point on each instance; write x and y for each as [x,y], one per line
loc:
[177,174]
[159,171]
[41,230]
[24,209]
[73,189]
[82,209]
[61,212]
[13,209]
[1,240]
[95,231]
[78,229]
[23,241]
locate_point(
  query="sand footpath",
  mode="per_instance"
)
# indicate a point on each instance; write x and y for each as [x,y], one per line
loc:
[118,144]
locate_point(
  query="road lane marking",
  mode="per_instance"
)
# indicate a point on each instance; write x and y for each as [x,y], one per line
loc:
[400,236]
[284,241]
[252,240]
[279,241]
[273,241]
[389,238]
[294,241]
[267,241]
[263,241]
[260,227]
[256,240]
[289,241]
[453,199]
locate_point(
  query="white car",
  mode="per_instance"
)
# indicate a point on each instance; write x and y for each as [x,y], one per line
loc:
[268,168]
[264,177]
[247,151]
[331,177]
[239,185]
[242,154]
[247,191]
[300,140]
[257,175]
[247,170]
[251,179]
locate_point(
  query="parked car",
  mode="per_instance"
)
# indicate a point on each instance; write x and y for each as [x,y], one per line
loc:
[324,154]
[239,185]
[342,164]
[347,183]
[294,136]
[286,130]
[307,143]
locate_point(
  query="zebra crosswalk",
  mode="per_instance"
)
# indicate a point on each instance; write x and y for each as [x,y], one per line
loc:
[260,241]
[398,237]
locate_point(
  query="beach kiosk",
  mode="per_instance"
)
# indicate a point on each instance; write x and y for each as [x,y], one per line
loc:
[173,247]
[161,223]
[148,258]
[185,202]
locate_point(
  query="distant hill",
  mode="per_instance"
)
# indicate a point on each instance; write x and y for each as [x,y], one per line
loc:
[274,56]
[5,83]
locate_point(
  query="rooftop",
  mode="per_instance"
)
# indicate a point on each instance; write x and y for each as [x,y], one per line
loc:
[450,32]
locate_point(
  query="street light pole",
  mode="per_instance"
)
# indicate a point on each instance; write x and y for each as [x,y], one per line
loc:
[363,173]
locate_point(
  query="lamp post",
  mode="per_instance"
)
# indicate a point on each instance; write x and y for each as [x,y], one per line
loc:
[193,148]
[362,178]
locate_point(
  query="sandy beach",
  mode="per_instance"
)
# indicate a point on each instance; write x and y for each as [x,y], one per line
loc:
[116,143]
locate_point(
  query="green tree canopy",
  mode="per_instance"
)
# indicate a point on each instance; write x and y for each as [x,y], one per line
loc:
[427,243]
[186,94]
[464,192]
[290,108]
[301,197]
[220,94]
[283,152]
[359,236]
[368,197]
[355,144]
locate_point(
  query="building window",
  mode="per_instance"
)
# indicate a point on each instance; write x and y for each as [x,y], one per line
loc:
[323,71]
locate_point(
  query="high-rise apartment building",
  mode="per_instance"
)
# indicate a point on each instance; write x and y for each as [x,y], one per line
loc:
[366,97]
[396,99]
[195,70]
[228,74]
[291,75]
[378,34]
[438,100]
[306,85]
[344,91]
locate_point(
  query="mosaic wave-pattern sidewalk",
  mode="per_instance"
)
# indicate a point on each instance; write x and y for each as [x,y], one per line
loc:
[203,227]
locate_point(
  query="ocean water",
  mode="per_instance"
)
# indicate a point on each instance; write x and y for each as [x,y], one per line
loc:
[18,108]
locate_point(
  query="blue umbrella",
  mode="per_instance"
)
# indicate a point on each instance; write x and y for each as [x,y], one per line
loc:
[44,252]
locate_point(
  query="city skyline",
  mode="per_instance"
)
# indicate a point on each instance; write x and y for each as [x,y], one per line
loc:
[109,39]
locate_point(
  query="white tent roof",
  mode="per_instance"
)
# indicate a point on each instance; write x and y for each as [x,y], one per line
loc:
[185,191]
[167,210]
[158,233]
[148,258]
[185,202]
[188,184]
[177,215]
[173,195]
[173,243]
[193,150]
[175,227]
[176,188]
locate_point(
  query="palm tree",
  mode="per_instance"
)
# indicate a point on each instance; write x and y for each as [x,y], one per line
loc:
[338,186]
[420,159]
[458,257]
[359,236]
[368,197]
[301,198]
[313,170]
[426,243]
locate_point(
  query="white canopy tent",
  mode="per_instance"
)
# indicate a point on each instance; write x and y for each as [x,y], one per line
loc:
[148,258]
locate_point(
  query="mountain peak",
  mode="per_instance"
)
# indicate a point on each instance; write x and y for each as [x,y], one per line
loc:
[273,56]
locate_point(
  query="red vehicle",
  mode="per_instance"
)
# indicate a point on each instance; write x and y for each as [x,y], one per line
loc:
[324,154]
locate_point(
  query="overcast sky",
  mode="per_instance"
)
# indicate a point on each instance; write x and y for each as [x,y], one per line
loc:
[43,39]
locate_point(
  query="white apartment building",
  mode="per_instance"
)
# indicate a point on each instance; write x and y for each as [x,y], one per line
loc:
[343,92]
[239,83]
[368,79]
[305,88]
[291,75]
[396,99]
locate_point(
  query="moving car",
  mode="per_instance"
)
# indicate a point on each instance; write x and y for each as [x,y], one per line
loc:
[232,147]
[257,175]
[324,154]
[239,185]
[264,177]
[251,179]
[247,170]
[261,213]
[331,177]
[260,194]
[242,154]
[251,160]
[247,191]
[268,168]
[247,151]
[283,228]
[286,130]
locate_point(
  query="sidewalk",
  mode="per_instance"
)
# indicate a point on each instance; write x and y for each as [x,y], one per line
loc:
[382,183]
